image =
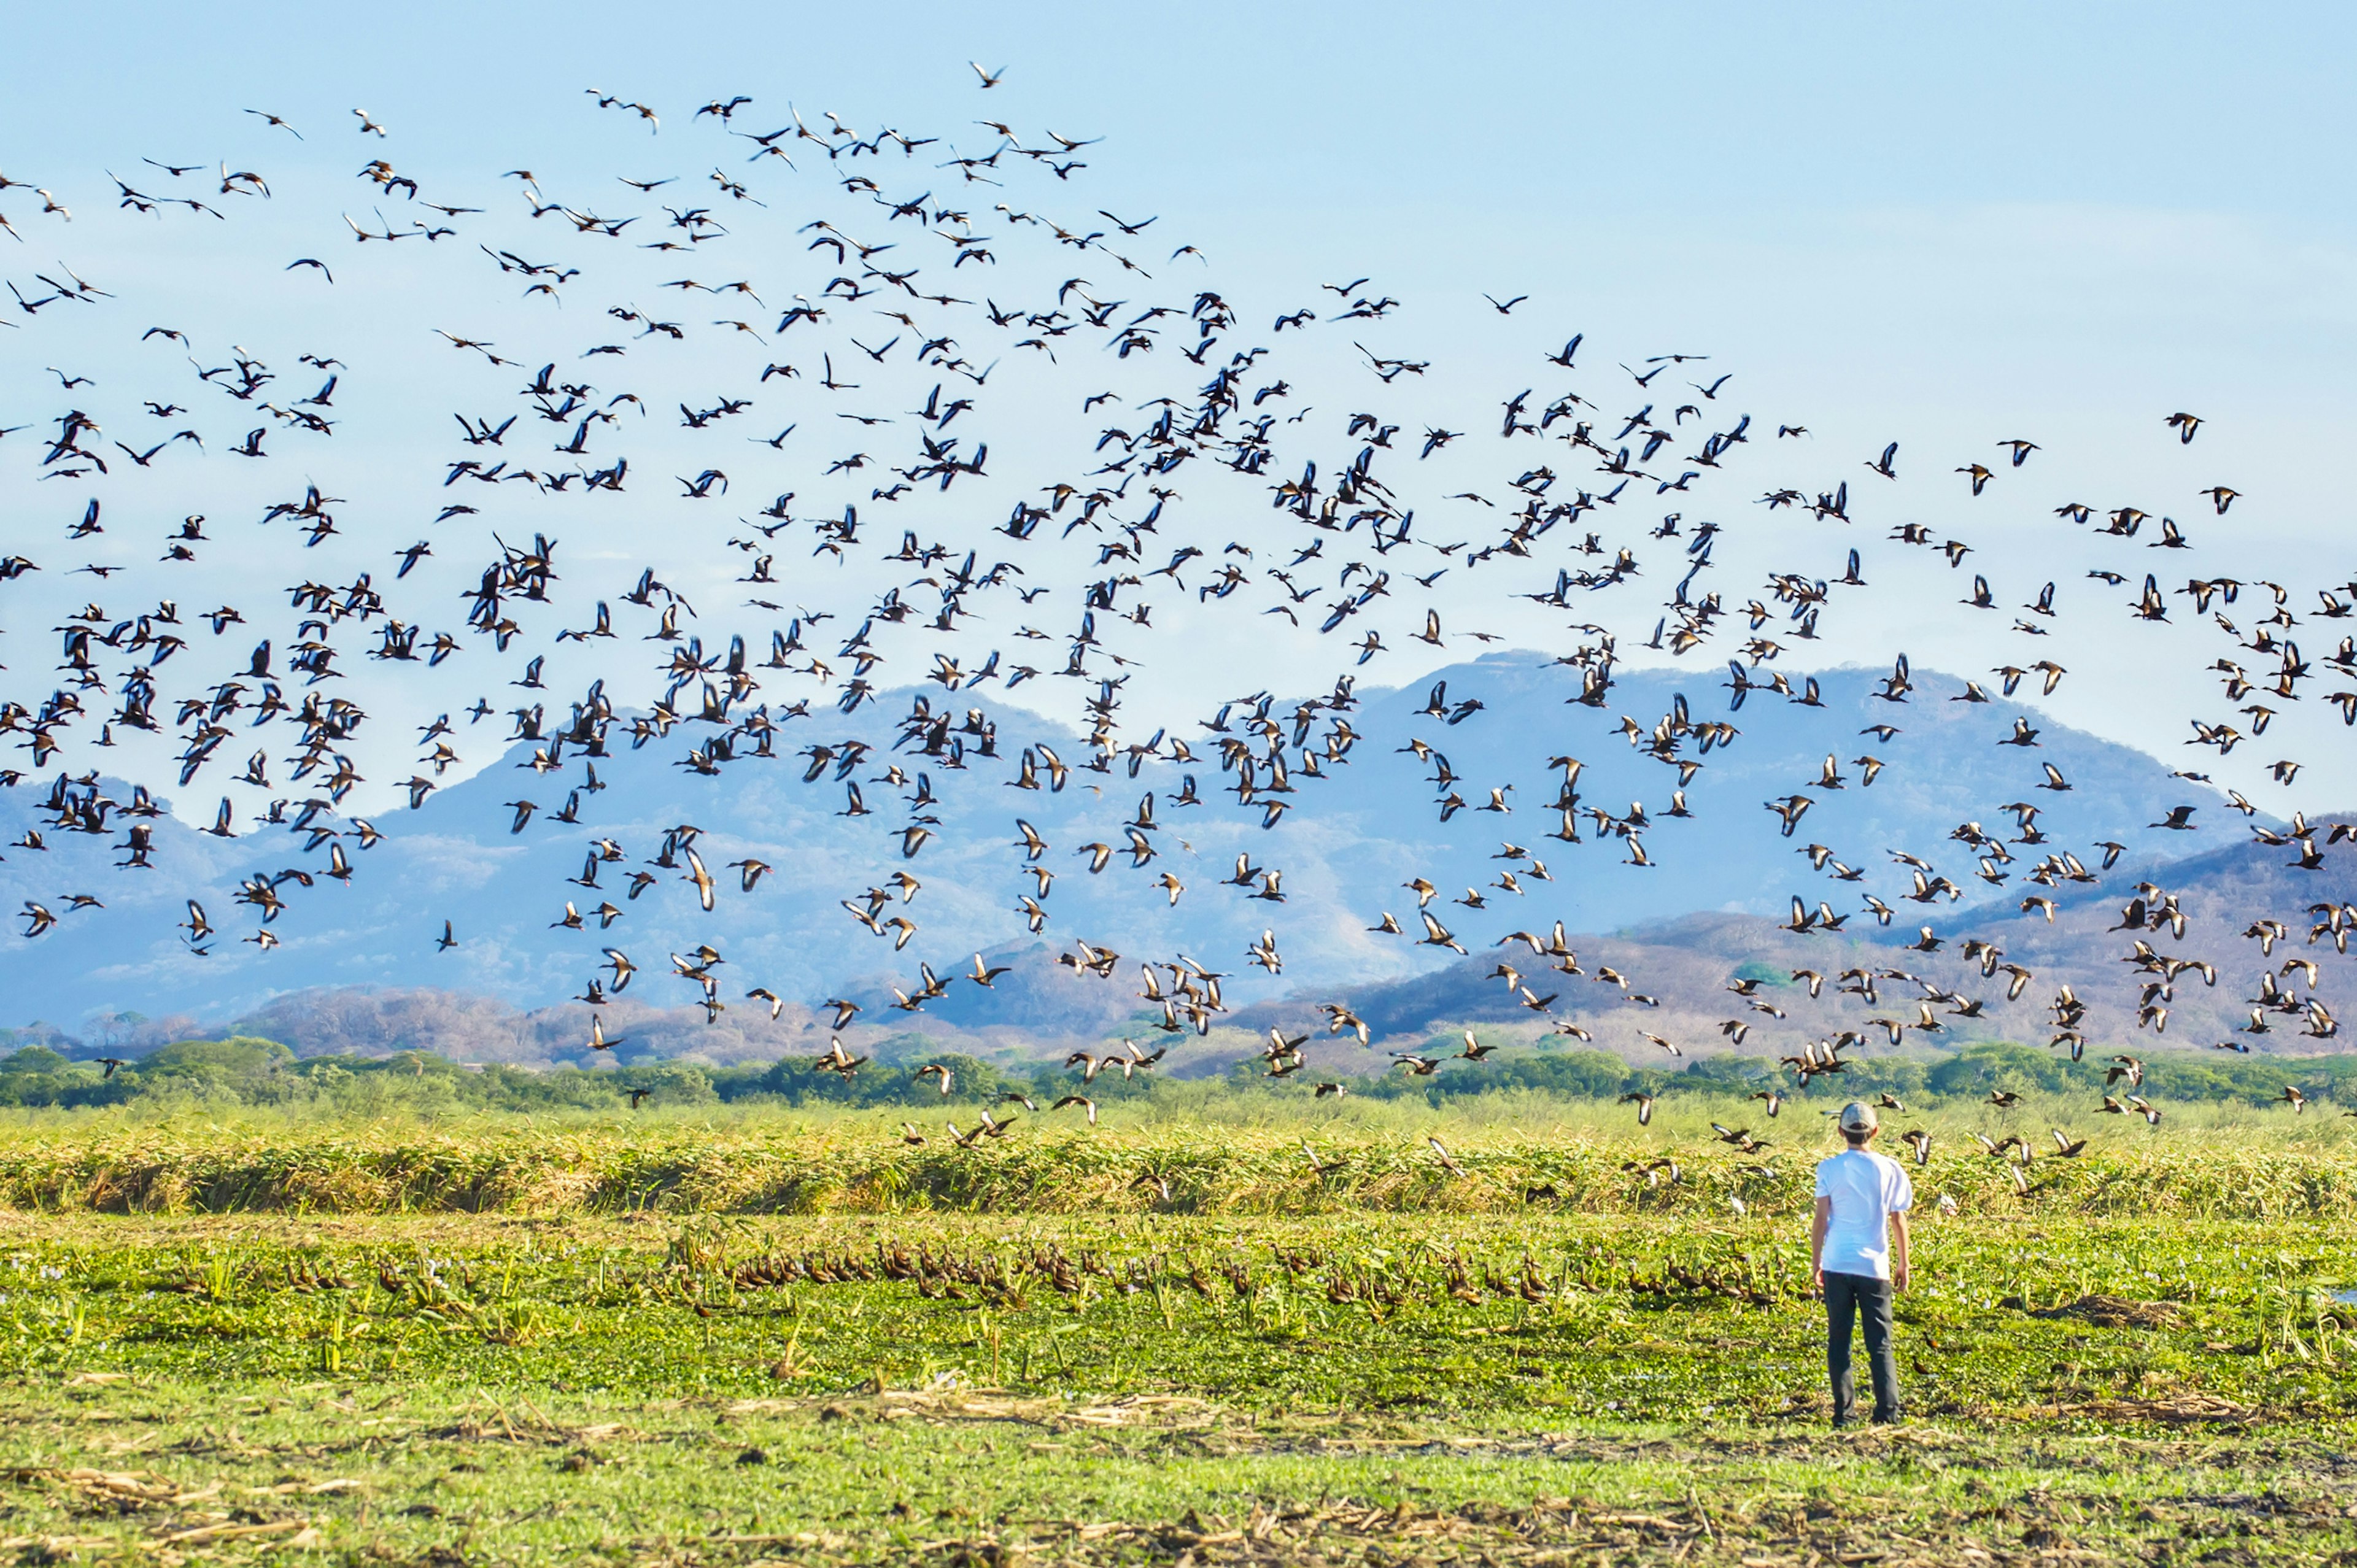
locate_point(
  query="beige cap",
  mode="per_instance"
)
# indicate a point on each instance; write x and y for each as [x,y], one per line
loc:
[1858,1116]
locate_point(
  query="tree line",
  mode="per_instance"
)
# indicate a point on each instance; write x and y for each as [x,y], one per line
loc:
[247,1070]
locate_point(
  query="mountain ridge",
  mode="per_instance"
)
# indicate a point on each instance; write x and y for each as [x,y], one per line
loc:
[1370,824]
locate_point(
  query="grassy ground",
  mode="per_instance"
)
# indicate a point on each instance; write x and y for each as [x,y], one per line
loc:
[767,1338]
[1505,1153]
[1515,1386]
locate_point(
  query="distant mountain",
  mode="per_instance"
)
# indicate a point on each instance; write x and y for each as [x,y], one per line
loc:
[1681,980]
[1358,828]
[1683,974]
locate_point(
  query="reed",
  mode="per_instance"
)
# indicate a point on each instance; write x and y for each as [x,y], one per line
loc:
[854,1166]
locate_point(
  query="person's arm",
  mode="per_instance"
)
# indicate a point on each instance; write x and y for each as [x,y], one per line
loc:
[1898,1250]
[1817,1241]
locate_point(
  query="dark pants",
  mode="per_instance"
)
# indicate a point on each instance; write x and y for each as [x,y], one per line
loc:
[1869,1298]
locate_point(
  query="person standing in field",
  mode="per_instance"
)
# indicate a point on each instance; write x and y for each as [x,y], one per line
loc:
[1858,1252]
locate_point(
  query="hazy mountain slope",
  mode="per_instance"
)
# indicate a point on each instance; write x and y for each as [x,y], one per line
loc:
[1352,839]
[1686,966]
[1677,971]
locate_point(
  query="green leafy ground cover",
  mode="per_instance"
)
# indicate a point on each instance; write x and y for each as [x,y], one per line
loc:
[1528,1385]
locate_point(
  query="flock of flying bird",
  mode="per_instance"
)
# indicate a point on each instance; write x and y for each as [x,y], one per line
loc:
[1591,482]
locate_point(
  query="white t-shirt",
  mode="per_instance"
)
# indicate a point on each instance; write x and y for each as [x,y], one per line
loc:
[1867,1188]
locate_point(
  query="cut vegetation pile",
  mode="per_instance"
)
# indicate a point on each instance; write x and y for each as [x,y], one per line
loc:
[1204,1170]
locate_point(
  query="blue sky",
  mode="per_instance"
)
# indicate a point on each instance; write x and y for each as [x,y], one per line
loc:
[1944,226]
[1487,108]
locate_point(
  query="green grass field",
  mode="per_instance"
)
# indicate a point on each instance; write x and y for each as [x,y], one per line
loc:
[770,1339]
